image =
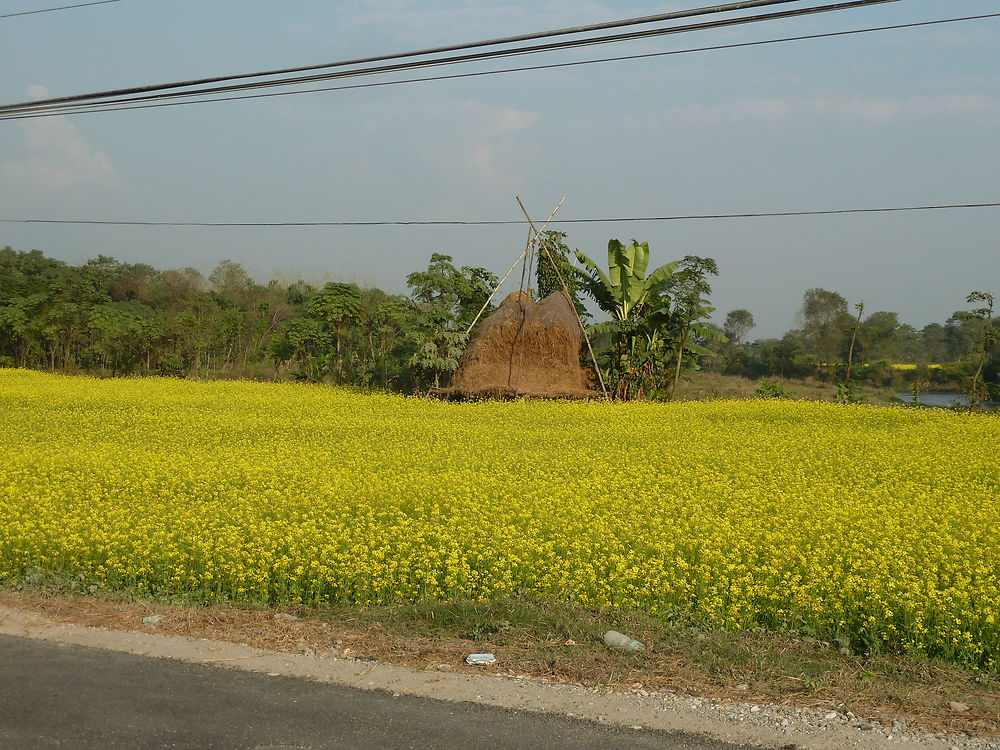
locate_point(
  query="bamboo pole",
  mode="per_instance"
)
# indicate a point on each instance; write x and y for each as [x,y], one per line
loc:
[552,260]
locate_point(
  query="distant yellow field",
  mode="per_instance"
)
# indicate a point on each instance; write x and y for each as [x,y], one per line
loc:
[877,525]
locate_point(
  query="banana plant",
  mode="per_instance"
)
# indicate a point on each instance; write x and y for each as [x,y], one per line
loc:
[623,292]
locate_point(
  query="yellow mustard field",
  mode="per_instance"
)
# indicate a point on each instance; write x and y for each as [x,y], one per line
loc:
[878,527]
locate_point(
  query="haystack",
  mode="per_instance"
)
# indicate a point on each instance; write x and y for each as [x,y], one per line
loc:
[525,348]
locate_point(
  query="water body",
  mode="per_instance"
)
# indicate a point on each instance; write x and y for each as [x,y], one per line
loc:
[942,400]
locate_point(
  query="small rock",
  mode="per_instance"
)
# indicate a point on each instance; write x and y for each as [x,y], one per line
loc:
[480,660]
[153,619]
[443,667]
[958,708]
[831,715]
[754,709]
[742,686]
[285,617]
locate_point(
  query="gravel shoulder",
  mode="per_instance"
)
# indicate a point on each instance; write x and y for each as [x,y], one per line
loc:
[721,720]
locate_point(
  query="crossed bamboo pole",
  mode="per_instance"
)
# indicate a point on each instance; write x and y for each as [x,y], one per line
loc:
[531,241]
[552,260]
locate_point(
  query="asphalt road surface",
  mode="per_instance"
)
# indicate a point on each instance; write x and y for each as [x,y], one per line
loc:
[61,696]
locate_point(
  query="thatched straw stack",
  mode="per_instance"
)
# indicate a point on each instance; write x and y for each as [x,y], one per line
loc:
[525,349]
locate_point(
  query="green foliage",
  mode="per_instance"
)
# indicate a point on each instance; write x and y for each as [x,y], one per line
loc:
[979,392]
[112,318]
[826,326]
[455,293]
[848,392]
[438,352]
[447,300]
[689,289]
[637,355]
[623,292]
[773,389]
[738,325]
[659,322]
[547,280]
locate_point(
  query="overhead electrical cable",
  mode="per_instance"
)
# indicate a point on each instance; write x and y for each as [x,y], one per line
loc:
[429,51]
[478,74]
[49,106]
[501,222]
[61,7]
[67,105]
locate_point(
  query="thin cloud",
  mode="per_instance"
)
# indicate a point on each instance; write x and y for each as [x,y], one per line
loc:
[860,110]
[486,139]
[409,19]
[57,156]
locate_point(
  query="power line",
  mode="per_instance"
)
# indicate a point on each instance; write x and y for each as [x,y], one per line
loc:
[61,7]
[102,100]
[500,222]
[423,52]
[710,48]
[67,105]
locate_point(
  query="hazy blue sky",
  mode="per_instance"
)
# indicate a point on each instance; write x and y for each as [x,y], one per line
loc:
[894,118]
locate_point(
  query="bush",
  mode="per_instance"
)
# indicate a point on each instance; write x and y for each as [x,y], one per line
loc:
[772,389]
[849,393]
[173,366]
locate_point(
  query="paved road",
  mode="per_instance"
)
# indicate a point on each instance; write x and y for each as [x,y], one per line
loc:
[59,696]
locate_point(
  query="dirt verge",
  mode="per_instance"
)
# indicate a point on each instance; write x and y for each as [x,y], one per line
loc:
[735,677]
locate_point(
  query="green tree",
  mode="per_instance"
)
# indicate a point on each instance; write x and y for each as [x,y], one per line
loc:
[384,321]
[338,307]
[458,293]
[553,246]
[446,300]
[860,307]
[934,339]
[738,324]
[124,335]
[983,315]
[825,326]
[19,322]
[306,341]
[880,337]
[689,288]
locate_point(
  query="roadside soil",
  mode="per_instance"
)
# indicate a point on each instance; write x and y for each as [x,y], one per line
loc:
[564,649]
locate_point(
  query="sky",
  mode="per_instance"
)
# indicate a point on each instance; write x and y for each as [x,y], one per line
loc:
[894,118]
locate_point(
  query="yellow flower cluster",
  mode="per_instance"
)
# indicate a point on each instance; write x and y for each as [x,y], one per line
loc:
[877,526]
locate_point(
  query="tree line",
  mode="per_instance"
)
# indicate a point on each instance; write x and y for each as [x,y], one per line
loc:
[112,318]
[837,341]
